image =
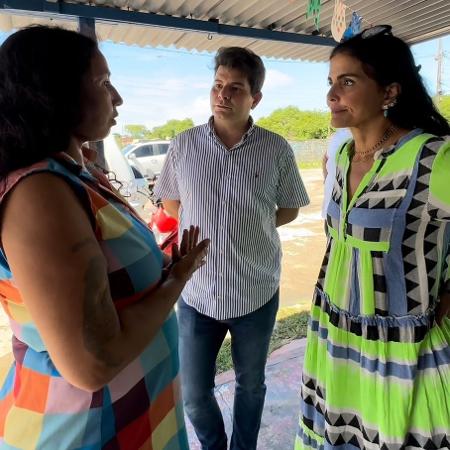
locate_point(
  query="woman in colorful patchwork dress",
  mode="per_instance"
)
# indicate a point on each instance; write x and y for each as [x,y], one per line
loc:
[94,335]
[377,366]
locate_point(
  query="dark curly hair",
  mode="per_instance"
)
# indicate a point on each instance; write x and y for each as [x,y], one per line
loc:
[41,71]
[387,59]
[244,60]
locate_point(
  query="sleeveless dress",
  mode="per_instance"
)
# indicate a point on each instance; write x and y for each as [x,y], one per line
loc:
[141,407]
[377,366]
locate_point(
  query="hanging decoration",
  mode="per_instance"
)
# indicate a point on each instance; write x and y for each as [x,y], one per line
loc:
[338,24]
[356,23]
[314,10]
[354,26]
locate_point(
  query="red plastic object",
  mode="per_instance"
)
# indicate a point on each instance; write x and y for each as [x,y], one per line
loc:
[165,229]
[163,221]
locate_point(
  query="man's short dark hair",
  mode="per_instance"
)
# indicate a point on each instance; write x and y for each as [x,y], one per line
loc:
[244,60]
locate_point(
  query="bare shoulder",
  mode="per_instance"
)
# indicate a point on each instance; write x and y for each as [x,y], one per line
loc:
[42,216]
[41,198]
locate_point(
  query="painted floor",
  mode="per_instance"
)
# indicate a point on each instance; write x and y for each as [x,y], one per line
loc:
[279,420]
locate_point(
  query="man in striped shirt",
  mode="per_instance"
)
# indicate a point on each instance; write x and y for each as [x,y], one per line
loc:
[238,182]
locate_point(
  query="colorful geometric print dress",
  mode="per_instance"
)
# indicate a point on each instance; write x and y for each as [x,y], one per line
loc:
[377,367]
[140,408]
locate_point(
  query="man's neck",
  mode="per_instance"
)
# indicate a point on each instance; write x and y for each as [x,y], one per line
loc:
[230,133]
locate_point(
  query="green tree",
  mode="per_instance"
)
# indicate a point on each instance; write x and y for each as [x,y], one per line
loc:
[296,125]
[170,129]
[444,106]
[118,139]
[136,131]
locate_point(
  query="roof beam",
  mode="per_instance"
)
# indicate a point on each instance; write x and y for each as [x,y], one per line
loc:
[212,27]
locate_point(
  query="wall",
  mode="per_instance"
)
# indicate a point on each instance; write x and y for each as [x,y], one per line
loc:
[309,151]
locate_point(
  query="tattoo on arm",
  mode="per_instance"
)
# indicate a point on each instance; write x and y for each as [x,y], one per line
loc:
[100,320]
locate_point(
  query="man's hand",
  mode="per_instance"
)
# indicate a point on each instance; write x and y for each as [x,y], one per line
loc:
[324,166]
[285,215]
[171,207]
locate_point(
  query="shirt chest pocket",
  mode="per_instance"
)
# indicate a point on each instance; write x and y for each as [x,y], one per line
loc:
[259,182]
[372,219]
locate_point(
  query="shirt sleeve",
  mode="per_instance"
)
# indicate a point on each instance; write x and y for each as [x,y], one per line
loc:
[439,192]
[291,191]
[166,186]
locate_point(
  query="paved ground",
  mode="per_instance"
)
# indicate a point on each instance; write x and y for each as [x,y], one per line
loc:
[303,242]
[279,421]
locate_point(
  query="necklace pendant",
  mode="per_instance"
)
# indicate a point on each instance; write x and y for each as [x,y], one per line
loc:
[361,157]
[365,155]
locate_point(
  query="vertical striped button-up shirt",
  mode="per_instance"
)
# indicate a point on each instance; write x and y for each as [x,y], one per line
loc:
[233,195]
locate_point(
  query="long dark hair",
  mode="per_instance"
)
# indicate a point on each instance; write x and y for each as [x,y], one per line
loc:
[387,59]
[41,72]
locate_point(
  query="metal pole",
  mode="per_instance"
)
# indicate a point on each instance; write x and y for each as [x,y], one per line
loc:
[439,58]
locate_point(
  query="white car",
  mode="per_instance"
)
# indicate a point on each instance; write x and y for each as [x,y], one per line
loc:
[150,155]
[129,181]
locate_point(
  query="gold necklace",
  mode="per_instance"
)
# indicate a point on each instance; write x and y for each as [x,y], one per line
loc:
[366,154]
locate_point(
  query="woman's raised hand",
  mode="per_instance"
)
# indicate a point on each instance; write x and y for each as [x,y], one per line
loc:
[189,255]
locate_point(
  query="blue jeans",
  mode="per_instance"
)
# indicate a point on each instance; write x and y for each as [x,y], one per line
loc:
[200,341]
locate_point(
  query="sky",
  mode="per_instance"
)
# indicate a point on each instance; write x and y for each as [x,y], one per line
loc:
[162,84]
[167,83]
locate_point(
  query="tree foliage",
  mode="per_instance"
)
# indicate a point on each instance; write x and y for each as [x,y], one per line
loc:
[167,131]
[136,131]
[444,106]
[296,125]
[170,129]
[290,122]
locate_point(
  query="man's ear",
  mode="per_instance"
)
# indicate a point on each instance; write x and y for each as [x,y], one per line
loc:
[256,99]
[391,93]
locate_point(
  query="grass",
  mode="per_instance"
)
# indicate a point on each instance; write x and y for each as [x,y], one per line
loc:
[291,324]
[310,165]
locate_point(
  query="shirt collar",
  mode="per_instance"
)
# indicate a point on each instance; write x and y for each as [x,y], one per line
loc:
[249,132]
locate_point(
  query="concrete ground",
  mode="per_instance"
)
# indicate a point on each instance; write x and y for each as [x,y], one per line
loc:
[303,243]
[280,417]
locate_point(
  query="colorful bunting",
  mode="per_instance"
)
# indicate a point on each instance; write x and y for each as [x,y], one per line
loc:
[314,10]
[356,23]
[338,23]
[354,26]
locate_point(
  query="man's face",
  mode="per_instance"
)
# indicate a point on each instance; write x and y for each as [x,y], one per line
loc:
[231,97]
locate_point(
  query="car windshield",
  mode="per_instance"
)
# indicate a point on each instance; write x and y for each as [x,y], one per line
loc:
[128,147]
[162,148]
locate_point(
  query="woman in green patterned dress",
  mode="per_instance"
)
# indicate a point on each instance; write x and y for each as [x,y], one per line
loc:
[377,365]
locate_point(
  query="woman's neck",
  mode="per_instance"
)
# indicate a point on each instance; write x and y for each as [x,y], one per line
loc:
[74,151]
[376,135]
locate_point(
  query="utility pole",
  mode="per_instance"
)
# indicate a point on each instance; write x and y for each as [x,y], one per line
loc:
[439,58]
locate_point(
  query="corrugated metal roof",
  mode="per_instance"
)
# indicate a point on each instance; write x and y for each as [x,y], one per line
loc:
[412,20]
